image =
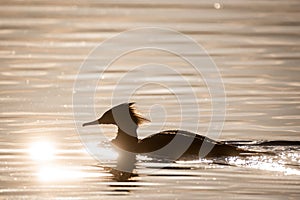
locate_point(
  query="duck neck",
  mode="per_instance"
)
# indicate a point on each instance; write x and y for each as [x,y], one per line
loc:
[128,139]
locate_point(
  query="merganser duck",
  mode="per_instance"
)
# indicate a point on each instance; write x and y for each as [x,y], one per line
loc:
[182,143]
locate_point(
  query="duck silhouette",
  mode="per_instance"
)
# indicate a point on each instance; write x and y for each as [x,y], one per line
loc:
[171,144]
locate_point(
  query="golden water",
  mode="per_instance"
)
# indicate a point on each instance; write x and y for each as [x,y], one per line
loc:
[255,45]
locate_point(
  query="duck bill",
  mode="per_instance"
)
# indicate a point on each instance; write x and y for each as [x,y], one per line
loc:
[91,123]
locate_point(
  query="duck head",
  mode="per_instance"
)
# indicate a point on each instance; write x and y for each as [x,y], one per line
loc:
[123,115]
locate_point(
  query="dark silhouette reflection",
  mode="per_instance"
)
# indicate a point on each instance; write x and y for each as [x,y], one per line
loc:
[125,166]
[123,172]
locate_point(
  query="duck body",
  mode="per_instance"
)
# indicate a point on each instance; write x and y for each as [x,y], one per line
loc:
[158,141]
[186,144]
[171,144]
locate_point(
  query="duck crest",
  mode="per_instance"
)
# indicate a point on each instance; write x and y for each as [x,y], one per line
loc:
[135,116]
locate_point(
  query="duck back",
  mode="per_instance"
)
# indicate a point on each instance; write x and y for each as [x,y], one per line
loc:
[188,143]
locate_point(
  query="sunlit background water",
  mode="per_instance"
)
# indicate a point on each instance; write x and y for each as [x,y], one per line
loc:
[255,45]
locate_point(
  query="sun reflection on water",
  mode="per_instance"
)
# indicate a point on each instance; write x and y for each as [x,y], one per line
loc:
[42,151]
[48,168]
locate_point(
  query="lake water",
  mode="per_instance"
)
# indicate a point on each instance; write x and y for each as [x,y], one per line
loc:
[254,45]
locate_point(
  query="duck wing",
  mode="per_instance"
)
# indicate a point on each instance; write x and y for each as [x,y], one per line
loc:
[159,140]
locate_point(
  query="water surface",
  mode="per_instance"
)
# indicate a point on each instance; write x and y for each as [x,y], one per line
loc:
[255,45]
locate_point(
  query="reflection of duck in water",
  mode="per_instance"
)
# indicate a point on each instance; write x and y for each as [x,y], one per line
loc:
[172,144]
[123,171]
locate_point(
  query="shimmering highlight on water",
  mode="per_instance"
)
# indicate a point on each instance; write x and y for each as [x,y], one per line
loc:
[255,44]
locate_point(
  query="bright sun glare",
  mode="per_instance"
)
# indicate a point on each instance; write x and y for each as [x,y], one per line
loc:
[42,151]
